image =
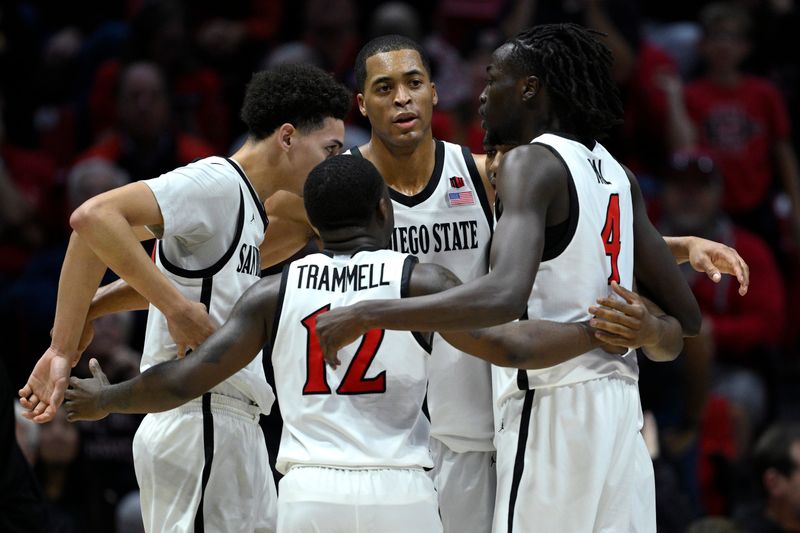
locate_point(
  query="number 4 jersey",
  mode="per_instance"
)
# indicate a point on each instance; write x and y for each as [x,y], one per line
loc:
[368,411]
[595,248]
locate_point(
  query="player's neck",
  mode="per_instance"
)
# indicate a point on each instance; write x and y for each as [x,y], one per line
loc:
[350,240]
[255,160]
[407,171]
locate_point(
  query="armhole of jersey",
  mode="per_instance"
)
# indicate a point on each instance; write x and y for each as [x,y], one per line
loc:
[278,310]
[216,267]
[554,249]
[259,203]
[477,182]
[405,280]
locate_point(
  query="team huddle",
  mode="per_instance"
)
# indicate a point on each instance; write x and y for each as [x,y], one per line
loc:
[459,356]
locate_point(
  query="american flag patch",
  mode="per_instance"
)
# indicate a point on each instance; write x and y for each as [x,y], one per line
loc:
[460,198]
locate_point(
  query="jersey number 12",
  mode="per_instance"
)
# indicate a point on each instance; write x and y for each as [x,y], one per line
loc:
[355,380]
[610,235]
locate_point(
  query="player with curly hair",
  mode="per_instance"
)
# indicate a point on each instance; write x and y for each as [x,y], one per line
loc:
[209,220]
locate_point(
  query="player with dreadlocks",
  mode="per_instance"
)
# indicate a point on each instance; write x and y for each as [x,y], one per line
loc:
[570,456]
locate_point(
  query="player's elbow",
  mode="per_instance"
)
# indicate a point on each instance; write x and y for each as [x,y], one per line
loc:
[692,321]
[509,305]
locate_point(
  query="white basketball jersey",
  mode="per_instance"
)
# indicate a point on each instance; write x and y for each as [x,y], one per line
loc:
[596,247]
[220,284]
[450,223]
[368,411]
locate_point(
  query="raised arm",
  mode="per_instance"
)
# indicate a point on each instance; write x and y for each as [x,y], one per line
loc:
[168,385]
[527,190]
[656,271]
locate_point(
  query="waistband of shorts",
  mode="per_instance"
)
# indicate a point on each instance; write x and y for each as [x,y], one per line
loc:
[221,404]
[344,468]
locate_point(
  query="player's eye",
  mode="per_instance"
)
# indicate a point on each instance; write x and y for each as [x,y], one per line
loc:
[415,83]
[383,88]
[332,150]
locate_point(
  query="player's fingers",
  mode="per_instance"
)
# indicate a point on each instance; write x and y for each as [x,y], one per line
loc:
[710,269]
[611,327]
[181,350]
[613,340]
[610,315]
[742,275]
[619,305]
[47,415]
[627,295]
[40,408]
[70,394]
[30,402]
[25,391]
[97,372]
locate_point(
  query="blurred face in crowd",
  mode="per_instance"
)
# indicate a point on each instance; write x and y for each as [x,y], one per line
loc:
[725,45]
[58,441]
[398,97]
[143,106]
[692,199]
[311,147]
[784,490]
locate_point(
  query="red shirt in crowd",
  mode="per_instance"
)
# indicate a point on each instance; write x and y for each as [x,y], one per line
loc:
[738,126]
[742,324]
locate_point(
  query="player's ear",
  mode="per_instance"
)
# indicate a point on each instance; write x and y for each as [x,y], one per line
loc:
[286,136]
[530,88]
[361,107]
[435,99]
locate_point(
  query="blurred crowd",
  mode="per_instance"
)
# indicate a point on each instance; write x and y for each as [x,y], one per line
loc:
[119,91]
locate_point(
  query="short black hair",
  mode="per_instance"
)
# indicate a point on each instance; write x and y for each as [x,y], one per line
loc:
[774,451]
[382,44]
[576,69]
[342,191]
[301,95]
[712,15]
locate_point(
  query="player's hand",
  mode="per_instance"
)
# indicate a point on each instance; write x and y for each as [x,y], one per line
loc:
[336,329]
[44,390]
[83,395]
[715,259]
[625,323]
[190,327]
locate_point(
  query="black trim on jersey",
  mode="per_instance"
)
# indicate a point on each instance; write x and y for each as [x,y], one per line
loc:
[522,375]
[256,200]
[519,460]
[558,237]
[405,280]
[433,182]
[205,293]
[216,267]
[480,190]
[208,453]
[278,308]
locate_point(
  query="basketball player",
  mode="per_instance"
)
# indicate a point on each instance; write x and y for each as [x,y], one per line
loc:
[571,450]
[209,220]
[442,204]
[355,440]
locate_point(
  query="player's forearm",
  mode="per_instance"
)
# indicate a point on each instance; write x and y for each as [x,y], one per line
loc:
[116,297]
[160,388]
[669,342]
[526,344]
[114,241]
[81,274]
[679,247]
[478,304]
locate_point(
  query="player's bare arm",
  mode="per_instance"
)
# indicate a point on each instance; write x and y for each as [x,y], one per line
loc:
[712,258]
[656,271]
[168,385]
[288,231]
[633,321]
[107,231]
[527,191]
